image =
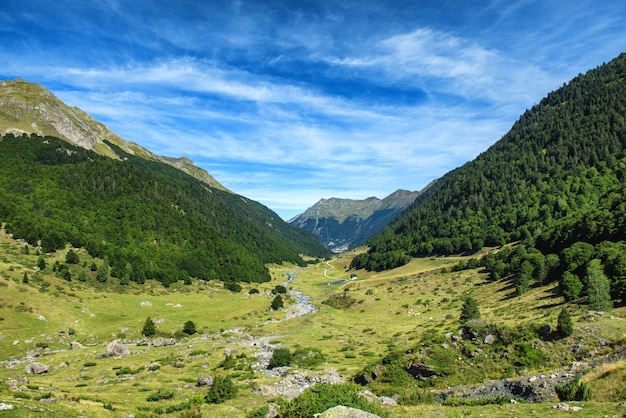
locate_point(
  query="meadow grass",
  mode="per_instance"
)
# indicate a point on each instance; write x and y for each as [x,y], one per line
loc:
[391,311]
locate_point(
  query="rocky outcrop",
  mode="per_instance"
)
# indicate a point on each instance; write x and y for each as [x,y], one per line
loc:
[531,388]
[117,349]
[205,381]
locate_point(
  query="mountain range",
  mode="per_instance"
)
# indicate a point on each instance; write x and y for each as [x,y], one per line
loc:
[341,224]
[66,178]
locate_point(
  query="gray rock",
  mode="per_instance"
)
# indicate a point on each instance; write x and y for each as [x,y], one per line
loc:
[205,381]
[163,342]
[489,339]
[341,411]
[421,370]
[37,368]
[116,349]
[545,330]
[75,345]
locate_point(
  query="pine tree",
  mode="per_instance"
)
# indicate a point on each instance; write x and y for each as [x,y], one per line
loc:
[598,287]
[469,310]
[25,278]
[149,329]
[103,271]
[565,327]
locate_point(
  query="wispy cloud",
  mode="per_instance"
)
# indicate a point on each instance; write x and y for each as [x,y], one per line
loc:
[288,102]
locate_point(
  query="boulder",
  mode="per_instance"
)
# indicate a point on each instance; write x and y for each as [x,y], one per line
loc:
[37,368]
[205,381]
[163,342]
[75,345]
[489,339]
[117,349]
[421,370]
[545,330]
[341,411]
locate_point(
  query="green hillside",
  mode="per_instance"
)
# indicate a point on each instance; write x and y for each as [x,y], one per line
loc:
[146,218]
[559,158]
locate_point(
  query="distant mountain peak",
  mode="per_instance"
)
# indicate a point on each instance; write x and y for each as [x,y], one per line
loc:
[27,107]
[343,223]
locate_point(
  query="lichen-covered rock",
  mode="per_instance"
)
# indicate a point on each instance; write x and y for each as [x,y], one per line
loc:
[75,345]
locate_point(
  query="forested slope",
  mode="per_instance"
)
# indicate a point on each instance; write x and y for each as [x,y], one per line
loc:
[559,158]
[148,219]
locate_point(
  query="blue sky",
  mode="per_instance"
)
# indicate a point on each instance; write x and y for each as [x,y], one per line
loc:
[287,102]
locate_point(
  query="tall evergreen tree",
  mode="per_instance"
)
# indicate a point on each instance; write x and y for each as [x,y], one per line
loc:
[149,329]
[598,287]
[469,310]
[565,327]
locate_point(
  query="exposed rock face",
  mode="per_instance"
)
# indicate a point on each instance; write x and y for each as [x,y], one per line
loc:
[531,389]
[37,368]
[341,411]
[344,223]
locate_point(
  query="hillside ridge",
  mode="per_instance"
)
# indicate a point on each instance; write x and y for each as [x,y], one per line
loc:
[27,107]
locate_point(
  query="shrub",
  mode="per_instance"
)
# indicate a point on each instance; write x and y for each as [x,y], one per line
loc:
[277,302]
[342,301]
[189,328]
[253,291]
[71,257]
[280,357]
[221,390]
[233,286]
[323,396]
[574,391]
[308,357]
[160,395]
[279,289]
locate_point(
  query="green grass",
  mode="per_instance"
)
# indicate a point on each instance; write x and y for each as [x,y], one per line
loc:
[392,312]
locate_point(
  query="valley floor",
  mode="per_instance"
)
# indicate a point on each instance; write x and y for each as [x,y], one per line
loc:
[69,328]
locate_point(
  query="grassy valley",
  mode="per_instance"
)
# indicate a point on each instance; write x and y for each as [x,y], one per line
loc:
[360,324]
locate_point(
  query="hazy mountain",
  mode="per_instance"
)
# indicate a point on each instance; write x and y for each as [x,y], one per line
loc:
[344,223]
[30,108]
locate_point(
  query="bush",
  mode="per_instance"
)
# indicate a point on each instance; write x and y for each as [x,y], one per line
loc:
[277,303]
[71,257]
[574,391]
[160,395]
[221,390]
[280,357]
[233,286]
[189,328]
[323,396]
[308,357]
[279,289]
